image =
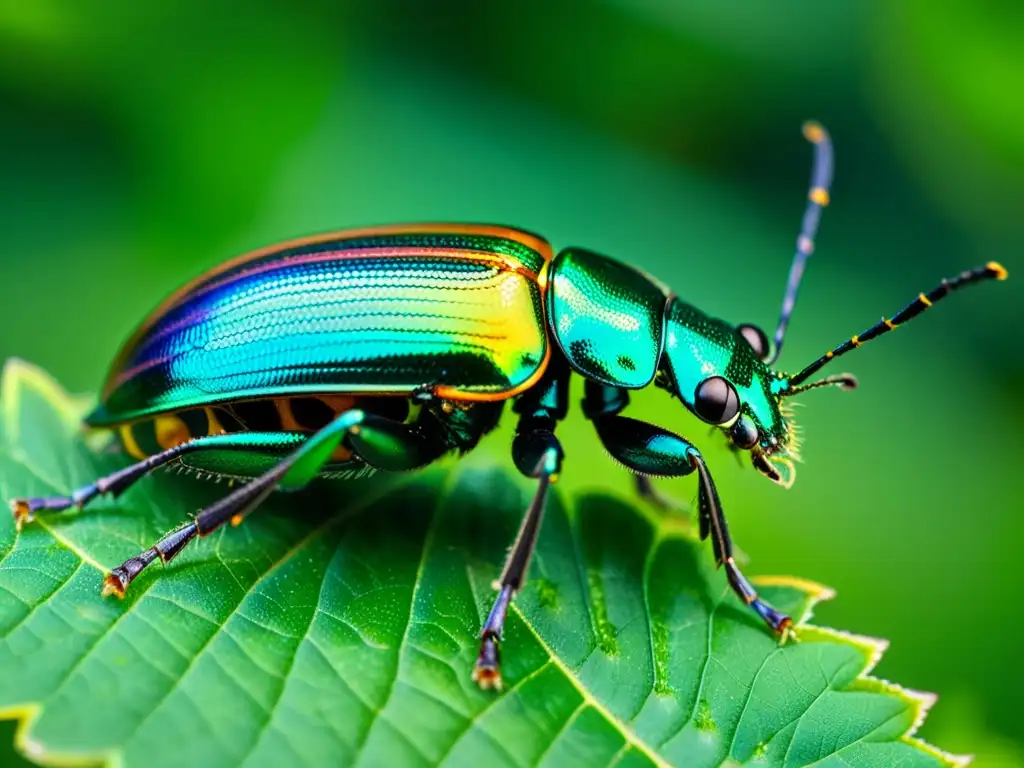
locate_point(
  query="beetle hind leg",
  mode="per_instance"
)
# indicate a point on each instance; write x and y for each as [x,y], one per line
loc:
[233,506]
[379,442]
[25,509]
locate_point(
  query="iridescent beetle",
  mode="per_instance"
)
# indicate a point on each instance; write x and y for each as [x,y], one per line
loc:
[384,349]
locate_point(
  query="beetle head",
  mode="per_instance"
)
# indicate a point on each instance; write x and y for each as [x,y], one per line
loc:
[723,373]
[718,372]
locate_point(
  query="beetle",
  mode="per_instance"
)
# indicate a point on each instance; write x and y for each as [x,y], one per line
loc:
[384,349]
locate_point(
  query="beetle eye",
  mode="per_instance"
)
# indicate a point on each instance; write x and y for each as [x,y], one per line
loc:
[756,338]
[715,400]
[744,434]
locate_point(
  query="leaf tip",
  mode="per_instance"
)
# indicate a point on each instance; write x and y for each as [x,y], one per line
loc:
[920,702]
[17,376]
[36,751]
[14,364]
[925,701]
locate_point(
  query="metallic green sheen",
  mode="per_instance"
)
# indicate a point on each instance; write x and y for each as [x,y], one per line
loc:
[698,346]
[331,317]
[245,455]
[608,318]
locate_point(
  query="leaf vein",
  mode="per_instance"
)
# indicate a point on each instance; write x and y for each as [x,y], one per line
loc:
[45,601]
[428,540]
[631,737]
[287,672]
[561,731]
[473,722]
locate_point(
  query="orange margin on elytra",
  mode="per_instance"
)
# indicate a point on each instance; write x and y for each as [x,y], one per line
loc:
[530,240]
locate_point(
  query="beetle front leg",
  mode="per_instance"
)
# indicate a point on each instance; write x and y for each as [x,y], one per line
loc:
[603,400]
[382,443]
[25,509]
[652,450]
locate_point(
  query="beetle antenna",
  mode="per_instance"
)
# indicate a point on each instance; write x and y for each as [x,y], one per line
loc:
[845,381]
[817,199]
[992,270]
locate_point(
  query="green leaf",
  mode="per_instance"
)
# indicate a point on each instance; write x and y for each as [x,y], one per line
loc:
[339,626]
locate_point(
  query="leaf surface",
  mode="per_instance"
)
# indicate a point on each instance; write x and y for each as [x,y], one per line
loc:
[340,625]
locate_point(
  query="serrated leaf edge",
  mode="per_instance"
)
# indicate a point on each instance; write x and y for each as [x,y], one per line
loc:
[874,648]
[16,371]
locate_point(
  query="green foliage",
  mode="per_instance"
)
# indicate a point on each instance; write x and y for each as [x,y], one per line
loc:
[339,626]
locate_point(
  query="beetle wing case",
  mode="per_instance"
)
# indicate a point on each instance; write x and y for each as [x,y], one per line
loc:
[456,307]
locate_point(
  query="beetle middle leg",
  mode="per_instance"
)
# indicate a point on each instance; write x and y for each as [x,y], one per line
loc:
[538,454]
[651,450]
[380,442]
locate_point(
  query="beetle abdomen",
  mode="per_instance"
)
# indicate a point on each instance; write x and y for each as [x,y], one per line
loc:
[304,414]
[340,315]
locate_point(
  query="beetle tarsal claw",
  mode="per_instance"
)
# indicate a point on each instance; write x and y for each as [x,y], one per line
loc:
[787,632]
[487,679]
[22,512]
[114,583]
[117,581]
[487,670]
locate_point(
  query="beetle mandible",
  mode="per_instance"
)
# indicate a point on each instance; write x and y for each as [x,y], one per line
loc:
[384,349]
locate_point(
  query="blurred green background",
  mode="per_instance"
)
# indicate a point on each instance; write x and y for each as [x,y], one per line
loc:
[142,143]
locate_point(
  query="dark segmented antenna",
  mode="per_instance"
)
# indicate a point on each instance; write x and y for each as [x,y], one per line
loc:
[845,381]
[817,199]
[992,270]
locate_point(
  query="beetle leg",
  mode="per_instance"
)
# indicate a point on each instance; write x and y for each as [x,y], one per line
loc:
[118,482]
[712,520]
[487,670]
[380,442]
[602,401]
[536,453]
[652,450]
[115,484]
[238,502]
[393,446]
